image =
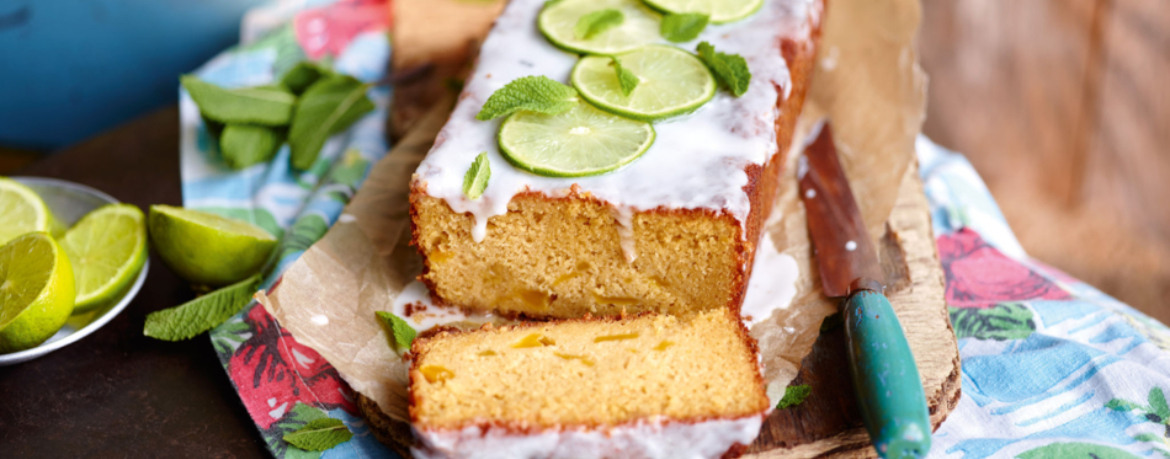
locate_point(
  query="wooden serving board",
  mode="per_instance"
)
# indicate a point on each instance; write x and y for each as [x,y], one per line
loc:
[828,423]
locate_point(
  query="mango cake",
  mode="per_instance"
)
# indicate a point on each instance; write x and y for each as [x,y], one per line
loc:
[650,386]
[671,231]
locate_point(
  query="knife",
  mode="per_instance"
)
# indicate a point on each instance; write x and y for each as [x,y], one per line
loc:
[885,377]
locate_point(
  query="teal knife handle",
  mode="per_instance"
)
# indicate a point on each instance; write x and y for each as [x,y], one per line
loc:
[885,378]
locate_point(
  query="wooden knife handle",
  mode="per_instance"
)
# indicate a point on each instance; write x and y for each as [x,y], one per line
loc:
[885,378]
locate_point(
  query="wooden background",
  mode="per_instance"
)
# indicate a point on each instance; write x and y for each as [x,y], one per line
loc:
[1063,106]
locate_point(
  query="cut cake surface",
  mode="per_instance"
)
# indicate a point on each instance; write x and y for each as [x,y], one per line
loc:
[644,386]
[674,232]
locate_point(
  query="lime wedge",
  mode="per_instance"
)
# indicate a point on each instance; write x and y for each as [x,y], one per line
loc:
[720,11]
[107,249]
[670,82]
[580,142]
[207,249]
[36,291]
[21,210]
[639,26]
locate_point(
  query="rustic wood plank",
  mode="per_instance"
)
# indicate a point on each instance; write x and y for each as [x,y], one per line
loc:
[1062,107]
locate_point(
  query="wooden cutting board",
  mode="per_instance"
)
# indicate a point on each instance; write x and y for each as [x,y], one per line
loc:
[828,423]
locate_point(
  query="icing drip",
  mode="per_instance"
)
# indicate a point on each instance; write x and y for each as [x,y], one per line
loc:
[772,285]
[424,314]
[625,219]
[648,440]
[697,161]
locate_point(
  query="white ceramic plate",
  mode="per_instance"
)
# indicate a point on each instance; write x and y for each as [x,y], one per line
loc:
[69,202]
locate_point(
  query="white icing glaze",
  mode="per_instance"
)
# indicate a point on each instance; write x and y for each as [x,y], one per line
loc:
[697,161]
[431,315]
[624,216]
[772,285]
[643,440]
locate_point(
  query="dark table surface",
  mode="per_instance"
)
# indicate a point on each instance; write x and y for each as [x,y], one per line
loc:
[117,393]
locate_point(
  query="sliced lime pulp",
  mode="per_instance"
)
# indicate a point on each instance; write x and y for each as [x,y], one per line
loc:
[558,20]
[208,249]
[21,211]
[670,82]
[580,142]
[36,291]
[107,248]
[720,11]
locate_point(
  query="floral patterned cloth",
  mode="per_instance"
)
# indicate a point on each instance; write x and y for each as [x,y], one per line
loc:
[1051,368]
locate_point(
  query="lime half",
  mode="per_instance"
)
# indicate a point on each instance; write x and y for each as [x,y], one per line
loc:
[558,20]
[207,249]
[21,210]
[107,248]
[720,11]
[670,82]
[36,291]
[582,141]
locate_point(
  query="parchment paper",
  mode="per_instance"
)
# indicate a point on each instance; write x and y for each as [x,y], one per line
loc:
[867,81]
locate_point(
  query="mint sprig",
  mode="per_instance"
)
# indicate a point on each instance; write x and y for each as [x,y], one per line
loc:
[329,106]
[303,75]
[243,145]
[626,79]
[794,395]
[267,105]
[533,93]
[201,314]
[475,181]
[730,69]
[319,435]
[597,22]
[401,331]
[680,27]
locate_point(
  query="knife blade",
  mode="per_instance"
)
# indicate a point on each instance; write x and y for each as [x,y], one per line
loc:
[885,377]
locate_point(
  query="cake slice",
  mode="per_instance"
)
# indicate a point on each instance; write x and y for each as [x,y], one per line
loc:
[673,232]
[648,386]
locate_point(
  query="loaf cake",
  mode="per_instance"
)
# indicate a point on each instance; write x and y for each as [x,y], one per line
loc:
[673,232]
[647,386]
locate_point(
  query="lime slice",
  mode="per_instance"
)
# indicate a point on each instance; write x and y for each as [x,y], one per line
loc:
[670,82]
[21,210]
[36,291]
[582,141]
[720,11]
[208,249]
[107,249]
[639,27]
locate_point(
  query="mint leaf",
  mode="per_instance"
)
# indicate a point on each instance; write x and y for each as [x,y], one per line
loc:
[397,327]
[303,75]
[270,106]
[598,21]
[680,27]
[329,106]
[243,145]
[730,69]
[476,178]
[201,314]
[626,78]
[533,93]
[793,395]
[319,435]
